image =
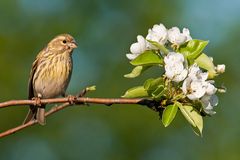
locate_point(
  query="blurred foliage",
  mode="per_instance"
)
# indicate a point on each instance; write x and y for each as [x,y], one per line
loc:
[104,31]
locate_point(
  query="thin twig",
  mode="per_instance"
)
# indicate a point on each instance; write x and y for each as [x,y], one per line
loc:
[68,102]
[76,100]
[33,122]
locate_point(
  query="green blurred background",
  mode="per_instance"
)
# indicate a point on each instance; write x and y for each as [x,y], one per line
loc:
[104,31]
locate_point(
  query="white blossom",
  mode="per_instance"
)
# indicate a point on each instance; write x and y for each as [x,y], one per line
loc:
[210,89]
[195,86]
[137,48]
[195,73]
[174,67]
[173,57]
[178,38]
[186,32]
[158,34]
[176,72]
[193,89]
[131,56]
[220,68]
[208,103]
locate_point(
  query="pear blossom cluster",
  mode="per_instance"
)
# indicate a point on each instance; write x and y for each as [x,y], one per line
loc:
[193,81]
[186,83]
[161,35]
[196,85]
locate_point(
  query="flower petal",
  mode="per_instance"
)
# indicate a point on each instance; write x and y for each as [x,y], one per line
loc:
[178,38]
[131,56]
[158,34]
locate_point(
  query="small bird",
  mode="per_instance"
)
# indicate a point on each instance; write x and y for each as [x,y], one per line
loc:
[50,74]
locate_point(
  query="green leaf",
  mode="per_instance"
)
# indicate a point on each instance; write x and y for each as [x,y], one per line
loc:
[147,58]
[158,92]
[159,46]
[137,71]
[148,83]
[155,87]
[193,117]
[151,84]
[197,131]
[192,49]
[91,88]
[134,92]
[206,62]
[169,114]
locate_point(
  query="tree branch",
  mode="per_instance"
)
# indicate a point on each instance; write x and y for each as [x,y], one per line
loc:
[73,99]
[69,101]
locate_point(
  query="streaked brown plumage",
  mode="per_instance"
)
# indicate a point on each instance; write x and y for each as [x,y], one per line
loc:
[50,73]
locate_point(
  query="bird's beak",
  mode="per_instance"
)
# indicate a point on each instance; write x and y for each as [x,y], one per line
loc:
[73,44]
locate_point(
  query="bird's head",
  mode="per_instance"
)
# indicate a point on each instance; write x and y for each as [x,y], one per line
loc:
[62,42]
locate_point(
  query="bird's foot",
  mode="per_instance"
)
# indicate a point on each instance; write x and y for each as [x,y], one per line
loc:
[37,101]
[71,99]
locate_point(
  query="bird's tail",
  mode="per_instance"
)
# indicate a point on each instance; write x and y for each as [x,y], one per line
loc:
[36,113]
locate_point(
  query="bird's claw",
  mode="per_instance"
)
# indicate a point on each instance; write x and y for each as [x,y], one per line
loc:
[71,99]
[37,101]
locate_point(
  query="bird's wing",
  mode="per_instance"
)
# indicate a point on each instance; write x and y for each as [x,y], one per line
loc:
[30,81]
[33,110]
[33,70]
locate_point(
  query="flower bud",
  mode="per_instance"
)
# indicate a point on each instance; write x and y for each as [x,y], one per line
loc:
[220,68]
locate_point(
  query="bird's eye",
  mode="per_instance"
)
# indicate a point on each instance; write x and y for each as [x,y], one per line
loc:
[64,41]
